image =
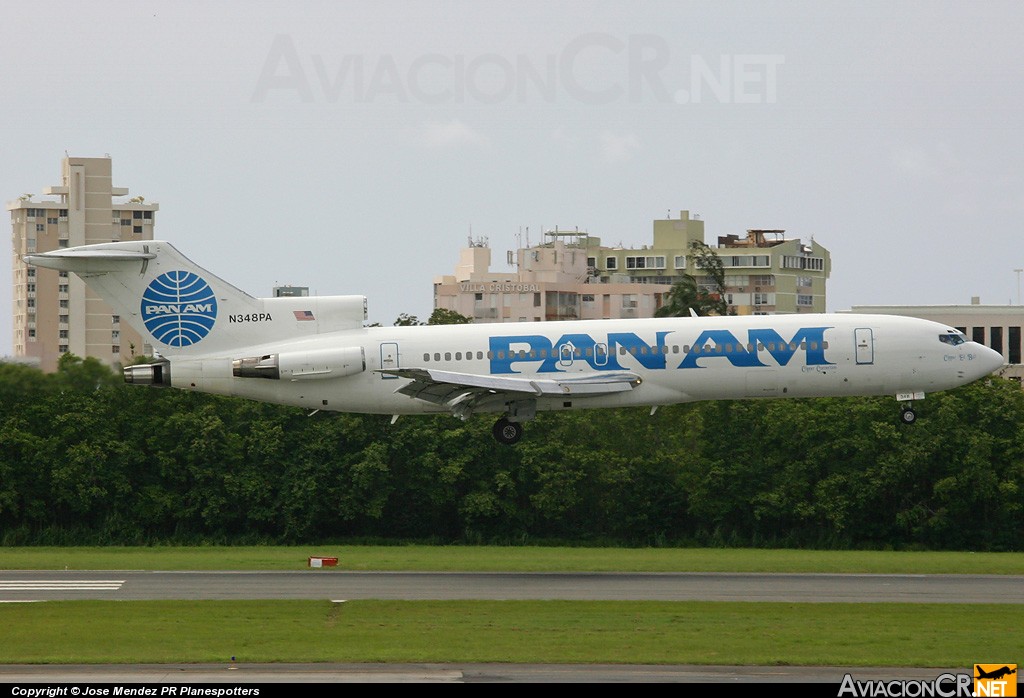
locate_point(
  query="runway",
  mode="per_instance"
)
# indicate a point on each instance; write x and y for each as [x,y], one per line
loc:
[335,584]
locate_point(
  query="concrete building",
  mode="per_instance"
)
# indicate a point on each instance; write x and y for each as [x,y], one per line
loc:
[552,282]
[54,312]
[571,275]
[290,291]
[995,326]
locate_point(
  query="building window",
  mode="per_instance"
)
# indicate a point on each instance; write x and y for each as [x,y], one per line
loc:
[62,243]
[592,262]
[63,334]
[611,263]
[645,262]
[40,227]
[62,319]
[137,215]
[147,215]
[746,260]
[31,272]
[996,339]
[802,299]
[1014,348]
[51,221]
[137,229]
[62,288]
[760,299]
[629,300]
[679,262]
[63,303]
[115,349]
[126,221]
[809,263]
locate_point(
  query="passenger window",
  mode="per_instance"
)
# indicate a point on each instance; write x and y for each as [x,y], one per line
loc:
[437,356]
[426,357]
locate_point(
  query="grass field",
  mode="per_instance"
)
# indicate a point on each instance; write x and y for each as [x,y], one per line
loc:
[513,559]
[940,635]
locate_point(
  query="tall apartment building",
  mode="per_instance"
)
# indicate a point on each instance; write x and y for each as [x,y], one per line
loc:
[54,312]
[571,275]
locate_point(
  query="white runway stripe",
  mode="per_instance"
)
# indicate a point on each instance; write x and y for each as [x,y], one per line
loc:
[59,585]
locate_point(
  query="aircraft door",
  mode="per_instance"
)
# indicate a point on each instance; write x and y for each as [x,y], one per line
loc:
[600,354]
[389,358]
[865,345]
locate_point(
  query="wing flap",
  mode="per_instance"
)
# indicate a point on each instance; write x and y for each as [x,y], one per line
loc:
[453,387]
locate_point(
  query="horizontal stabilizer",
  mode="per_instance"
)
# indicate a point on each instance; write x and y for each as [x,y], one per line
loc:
[84,260]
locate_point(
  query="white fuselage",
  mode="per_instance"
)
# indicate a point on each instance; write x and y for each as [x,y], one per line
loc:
[677,359]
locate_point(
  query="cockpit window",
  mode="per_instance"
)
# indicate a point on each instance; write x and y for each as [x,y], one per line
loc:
[953,338]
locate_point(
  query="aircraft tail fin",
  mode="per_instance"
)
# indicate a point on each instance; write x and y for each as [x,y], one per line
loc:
[184,309]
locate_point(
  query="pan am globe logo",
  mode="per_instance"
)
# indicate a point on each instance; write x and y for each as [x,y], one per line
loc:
[179,308]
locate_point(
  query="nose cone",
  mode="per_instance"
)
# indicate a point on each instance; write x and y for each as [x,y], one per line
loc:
[988,361]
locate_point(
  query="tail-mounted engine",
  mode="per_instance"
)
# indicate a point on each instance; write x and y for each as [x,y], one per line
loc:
[302,365]
[156,374]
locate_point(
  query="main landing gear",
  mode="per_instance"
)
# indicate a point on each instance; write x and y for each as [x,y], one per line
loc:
[506,432]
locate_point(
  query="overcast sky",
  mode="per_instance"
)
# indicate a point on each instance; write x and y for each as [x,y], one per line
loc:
[354,146]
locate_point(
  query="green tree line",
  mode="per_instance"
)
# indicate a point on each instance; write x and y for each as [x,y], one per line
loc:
[85,459]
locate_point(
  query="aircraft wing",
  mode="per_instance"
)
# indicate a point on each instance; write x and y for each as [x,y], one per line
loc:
[462,392]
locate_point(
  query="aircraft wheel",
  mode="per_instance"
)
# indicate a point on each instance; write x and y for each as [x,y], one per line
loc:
[908,415]
[506,432]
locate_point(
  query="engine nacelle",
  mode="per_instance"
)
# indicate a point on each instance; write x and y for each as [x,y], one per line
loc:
[156,374]
[316,364]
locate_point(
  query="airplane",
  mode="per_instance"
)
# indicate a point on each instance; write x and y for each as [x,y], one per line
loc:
[996,674]
[315,352]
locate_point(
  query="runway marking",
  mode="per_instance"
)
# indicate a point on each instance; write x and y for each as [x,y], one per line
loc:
[61,585]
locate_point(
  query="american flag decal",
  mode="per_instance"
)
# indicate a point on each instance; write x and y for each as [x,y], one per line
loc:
[303,314]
